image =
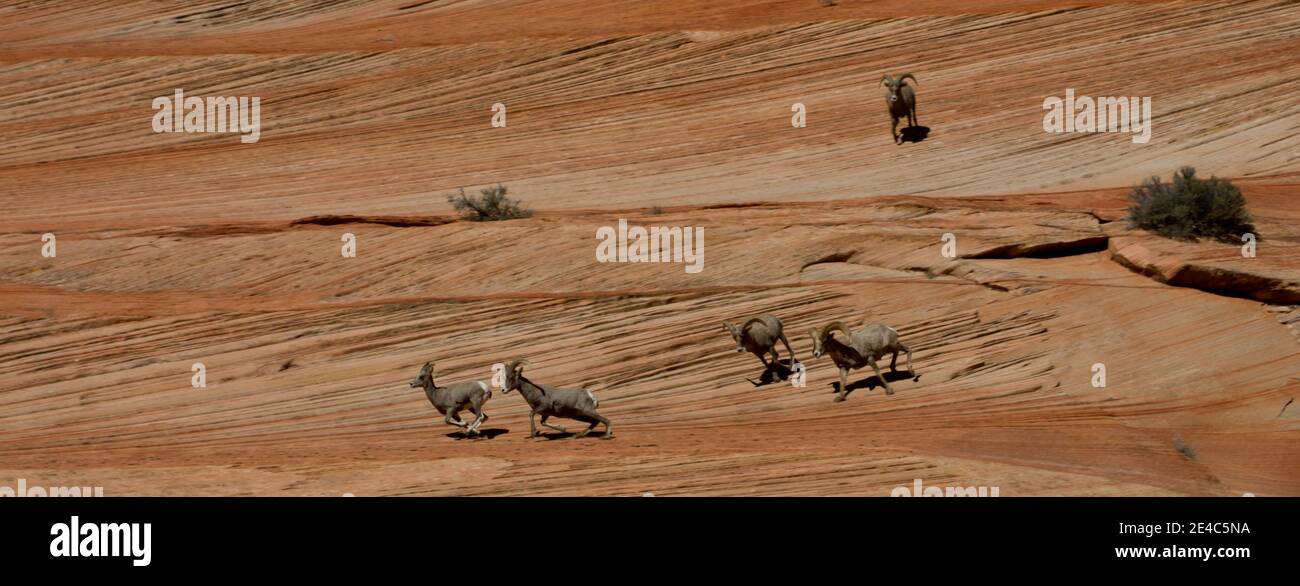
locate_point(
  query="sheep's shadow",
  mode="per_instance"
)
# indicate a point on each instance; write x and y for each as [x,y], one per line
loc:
[558,435]
[775,372]
[484,433]
[914,134]
[872,381]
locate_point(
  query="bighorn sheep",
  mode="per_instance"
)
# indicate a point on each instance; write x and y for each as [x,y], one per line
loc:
[759,336]
[901,99]
[859,349]
[548,401]
[450,400]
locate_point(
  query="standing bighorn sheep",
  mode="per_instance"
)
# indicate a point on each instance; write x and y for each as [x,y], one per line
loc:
[858,349]
[759,335]
[548,401]
[901,99]
[451,400]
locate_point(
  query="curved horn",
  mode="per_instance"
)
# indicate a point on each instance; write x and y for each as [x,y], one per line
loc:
[885,78]
[835,325]
[516,364]
[908,76]
[428,367]
[751,321]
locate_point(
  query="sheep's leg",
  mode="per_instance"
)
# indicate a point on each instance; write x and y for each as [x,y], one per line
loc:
[793,360]
[479,418]
[893,362]
[844,384]
[532,425]
[453,418]
[594,420]
[767,366]
[893,132]
[909,361]
[876,367]
[843,374]
[555,427]
[911,117]
[776,364]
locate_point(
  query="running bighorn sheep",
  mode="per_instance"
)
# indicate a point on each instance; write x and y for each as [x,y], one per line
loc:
[548,401]
[858,349]
[759,336]
[901,99]
[451,400]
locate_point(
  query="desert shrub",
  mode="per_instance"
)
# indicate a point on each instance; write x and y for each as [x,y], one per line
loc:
[1189,208]
[491,205]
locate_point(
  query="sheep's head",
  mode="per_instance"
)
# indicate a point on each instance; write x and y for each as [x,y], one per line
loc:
[894,86]
[820,337]
[514,372]
[425,376]
[737,334]
[817,342]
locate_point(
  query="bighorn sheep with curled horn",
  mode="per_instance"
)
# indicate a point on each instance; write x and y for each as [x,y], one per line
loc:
[858,349]
[759,336]
[901,99]
[548,401]
[452,399]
